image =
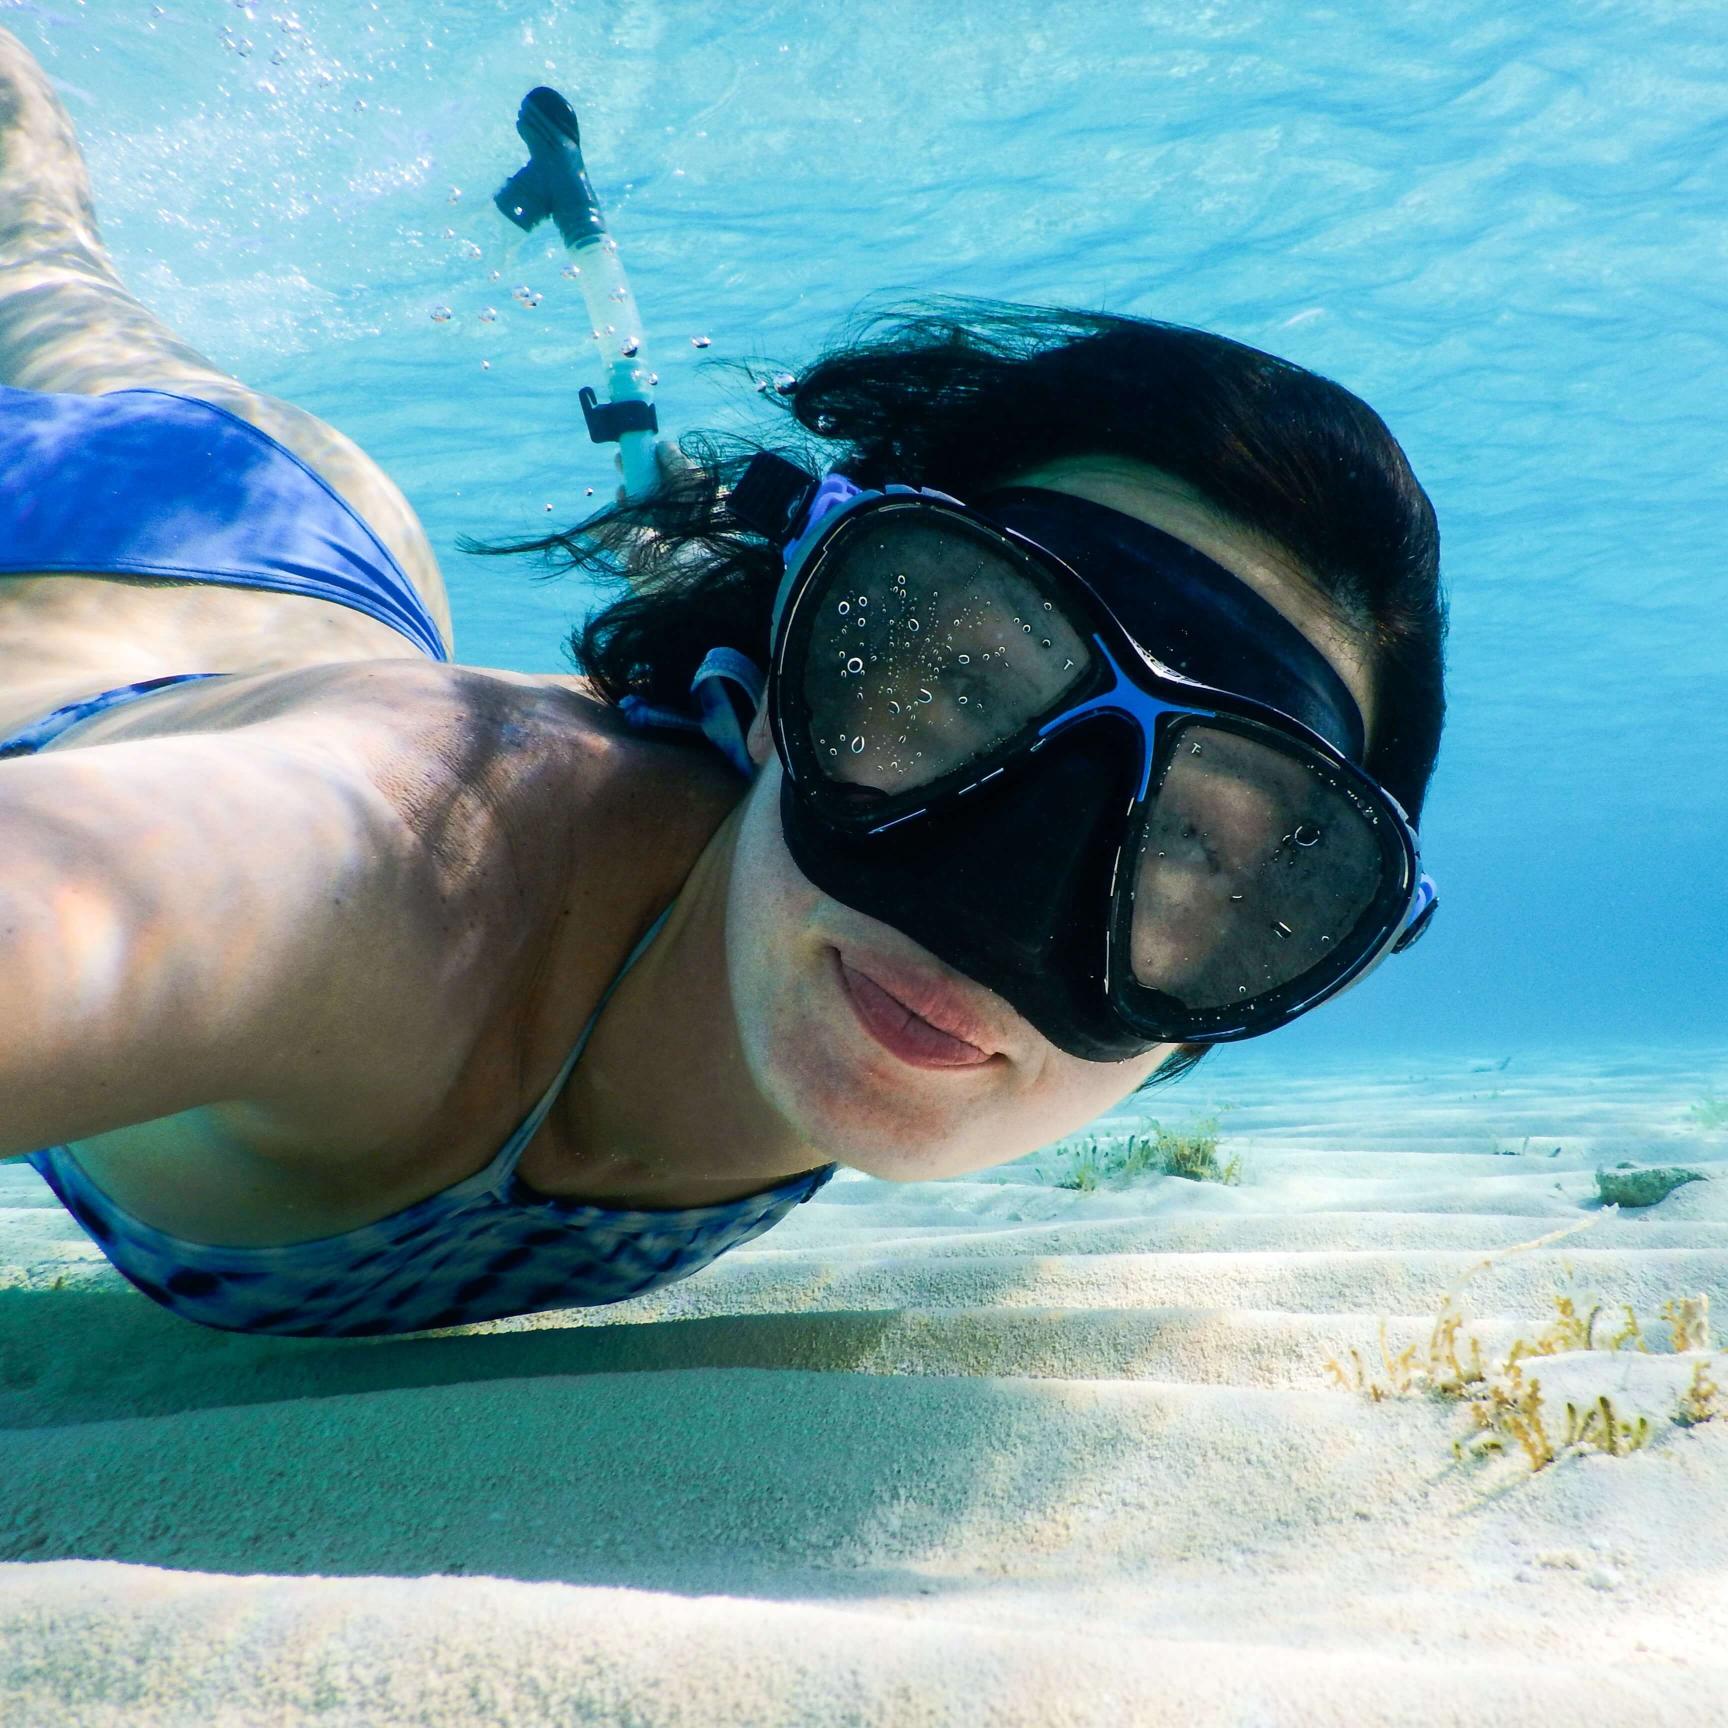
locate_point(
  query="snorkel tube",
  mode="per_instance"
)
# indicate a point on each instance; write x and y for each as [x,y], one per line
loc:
[554,183]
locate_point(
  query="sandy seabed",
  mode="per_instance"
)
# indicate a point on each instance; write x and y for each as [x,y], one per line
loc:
[985,1451]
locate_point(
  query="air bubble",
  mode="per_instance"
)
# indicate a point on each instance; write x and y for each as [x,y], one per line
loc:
[911,623]
[1283,929]
[863,599]
[854,664]
[962,701]
[965,659]
[857,743]
[1027,628]
[701,341]
[1047,606]
[441,314]
[1045,643]
[845,607]
[1307,835]
[893,707]
[925,696]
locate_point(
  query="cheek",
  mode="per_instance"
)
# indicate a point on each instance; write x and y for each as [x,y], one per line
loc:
[770,905]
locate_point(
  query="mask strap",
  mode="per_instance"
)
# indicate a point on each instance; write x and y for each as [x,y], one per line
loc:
[721,718]
[718,716]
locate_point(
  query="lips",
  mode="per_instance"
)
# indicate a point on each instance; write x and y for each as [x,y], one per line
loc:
[914,1037]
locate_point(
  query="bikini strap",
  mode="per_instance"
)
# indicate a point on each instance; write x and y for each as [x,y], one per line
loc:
[497,1174]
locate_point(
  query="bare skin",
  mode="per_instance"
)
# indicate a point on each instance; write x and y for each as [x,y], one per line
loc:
[367,901]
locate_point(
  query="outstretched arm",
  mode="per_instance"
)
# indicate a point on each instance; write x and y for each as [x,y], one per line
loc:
[196,919]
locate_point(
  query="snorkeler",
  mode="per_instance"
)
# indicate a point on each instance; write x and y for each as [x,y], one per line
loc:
[1056,702]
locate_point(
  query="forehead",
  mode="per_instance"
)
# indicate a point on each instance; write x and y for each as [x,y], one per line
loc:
[1170,504]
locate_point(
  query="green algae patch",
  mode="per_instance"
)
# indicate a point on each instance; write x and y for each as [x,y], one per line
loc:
[1642,1187]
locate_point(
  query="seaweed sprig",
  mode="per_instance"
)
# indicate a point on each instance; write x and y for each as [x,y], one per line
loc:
[1191,1155]
[1504,1401]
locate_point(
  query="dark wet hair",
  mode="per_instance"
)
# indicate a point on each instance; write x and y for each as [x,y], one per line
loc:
[962,395]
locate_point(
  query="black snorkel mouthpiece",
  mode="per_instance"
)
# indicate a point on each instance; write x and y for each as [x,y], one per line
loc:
[554,181]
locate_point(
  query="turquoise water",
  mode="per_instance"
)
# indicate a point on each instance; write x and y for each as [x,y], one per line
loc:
[1505,231]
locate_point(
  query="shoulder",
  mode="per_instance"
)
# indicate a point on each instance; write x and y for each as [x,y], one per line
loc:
[536,755]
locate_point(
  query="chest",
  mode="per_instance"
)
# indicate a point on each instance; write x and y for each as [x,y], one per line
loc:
[527,951]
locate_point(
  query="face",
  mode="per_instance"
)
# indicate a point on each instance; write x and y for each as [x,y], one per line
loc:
[808,974]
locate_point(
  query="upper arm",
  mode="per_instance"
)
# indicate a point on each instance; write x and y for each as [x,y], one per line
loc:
[189,919]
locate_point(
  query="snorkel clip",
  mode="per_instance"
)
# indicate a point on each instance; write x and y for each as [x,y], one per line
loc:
[609,421]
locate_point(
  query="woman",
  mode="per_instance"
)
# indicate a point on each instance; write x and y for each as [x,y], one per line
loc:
[305,926]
